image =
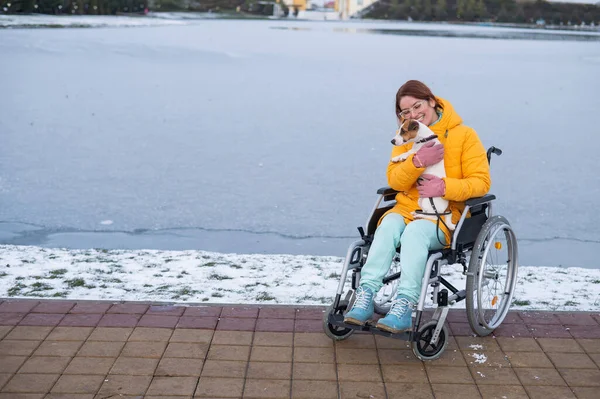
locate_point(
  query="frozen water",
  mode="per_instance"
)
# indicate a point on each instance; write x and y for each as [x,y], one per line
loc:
[278,133]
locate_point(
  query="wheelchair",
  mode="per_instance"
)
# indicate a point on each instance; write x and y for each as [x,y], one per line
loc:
[486,247]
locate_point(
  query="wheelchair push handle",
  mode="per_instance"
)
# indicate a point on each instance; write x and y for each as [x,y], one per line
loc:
[493,150]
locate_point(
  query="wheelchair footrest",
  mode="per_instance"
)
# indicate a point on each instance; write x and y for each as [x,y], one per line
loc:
[338,321]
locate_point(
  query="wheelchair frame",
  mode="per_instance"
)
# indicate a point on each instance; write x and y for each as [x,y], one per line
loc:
[430,339]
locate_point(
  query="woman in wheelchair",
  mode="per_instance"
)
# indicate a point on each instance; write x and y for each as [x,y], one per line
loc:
[467,176]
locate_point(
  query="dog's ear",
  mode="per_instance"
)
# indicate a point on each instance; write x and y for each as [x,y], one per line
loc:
[413,125]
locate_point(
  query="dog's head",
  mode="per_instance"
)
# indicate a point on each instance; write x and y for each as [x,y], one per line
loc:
[407,132]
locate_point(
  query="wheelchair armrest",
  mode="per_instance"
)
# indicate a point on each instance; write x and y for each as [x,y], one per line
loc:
[480,200]
[386,191]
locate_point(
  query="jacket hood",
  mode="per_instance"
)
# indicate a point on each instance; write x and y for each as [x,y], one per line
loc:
[450,118]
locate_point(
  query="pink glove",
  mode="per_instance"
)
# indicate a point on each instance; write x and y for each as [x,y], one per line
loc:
[428,155]
[431,186]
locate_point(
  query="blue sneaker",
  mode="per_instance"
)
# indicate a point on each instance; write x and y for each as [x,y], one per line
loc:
[363,308]
[399,318]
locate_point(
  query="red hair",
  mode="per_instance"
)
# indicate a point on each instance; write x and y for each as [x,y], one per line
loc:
[418,90]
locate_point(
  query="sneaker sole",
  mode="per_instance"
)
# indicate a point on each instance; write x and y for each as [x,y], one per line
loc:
[356,322]
[389,329]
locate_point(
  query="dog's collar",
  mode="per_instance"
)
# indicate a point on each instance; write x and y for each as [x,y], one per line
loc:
[426,139]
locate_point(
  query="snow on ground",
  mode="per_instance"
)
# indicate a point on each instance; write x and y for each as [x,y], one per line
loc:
[198,276]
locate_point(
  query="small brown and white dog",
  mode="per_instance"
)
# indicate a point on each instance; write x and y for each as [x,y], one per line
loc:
[413,131]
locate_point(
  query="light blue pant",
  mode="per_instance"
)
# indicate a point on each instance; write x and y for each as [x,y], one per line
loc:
[415,241]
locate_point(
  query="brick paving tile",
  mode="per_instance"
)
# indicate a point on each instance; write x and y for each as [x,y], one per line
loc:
[70,334]
[197,322]
[172,386]
[448,391]
[352,389]
[269,370]
[13,395]
[31,383]
[236,324]
[91,365]
[101,349]
[314,390]
[585,331]
[264,338]
[363,341]
[110,334]
[125,385]
[150,334]
[539,318]
[41,319]
[78,384]
[485,359]
[224,368]
[313,355]
[226,352]
[45,364]
[310,313]
[179,367]
[4,377]
[503,392]
[154,320]
[239,311]
[590,345]
[581,377]
[128,308]
[512,330]
[81,320]
[408,390]
[572,360]
[29,333]
[266,389]
[483,344]
[149,349]
[314,371]
[221,387]
[529,359]
[17,306]
[448,375]
[54,307]
[17,347]
[549,331]
[10,319]
[202,311]
[284,312]
[545,392]
[90,307]
[460,329]
[585,392]
[509,344]
[308,325]
[388,343]
[133,366]
[539,376]
[313,340]
[192,335]
[186,349]
[282,325]
[119,320]
[10,364]
[356,356]
[560,345]
[58,348]
[494,376]
[359,372]
[409,373]
[4,330]
[271,354]
[163,310]
[232,338]
[577,319]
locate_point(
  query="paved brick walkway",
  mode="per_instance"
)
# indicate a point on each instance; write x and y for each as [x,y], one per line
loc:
[82,349]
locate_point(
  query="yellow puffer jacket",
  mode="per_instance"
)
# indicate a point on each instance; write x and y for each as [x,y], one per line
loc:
[467,169]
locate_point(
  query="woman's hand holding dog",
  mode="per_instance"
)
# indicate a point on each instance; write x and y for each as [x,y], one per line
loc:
[430,186]
[428,155]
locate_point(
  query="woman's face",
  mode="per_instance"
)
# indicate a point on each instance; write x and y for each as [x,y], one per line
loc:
[421,110]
